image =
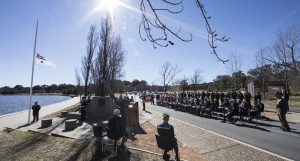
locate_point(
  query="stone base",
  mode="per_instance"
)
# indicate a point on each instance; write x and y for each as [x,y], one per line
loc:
[46,123]
[70,124]
[64,113]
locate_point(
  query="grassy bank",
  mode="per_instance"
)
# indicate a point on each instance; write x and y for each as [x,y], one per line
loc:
[27,146]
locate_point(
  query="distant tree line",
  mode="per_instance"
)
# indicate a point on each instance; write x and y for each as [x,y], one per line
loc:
[66,89]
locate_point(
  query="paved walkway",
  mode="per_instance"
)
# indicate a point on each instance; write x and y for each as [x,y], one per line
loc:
[21,118]
[209,144]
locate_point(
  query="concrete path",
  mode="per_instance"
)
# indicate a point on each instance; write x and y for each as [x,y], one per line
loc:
[21,118]
[264,139]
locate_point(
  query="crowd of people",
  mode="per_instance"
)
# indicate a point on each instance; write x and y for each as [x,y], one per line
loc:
[223,104]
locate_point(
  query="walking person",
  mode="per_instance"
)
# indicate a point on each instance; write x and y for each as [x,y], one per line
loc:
[35,111]
[282,108]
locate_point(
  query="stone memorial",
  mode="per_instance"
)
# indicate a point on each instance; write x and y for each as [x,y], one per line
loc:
[100,107]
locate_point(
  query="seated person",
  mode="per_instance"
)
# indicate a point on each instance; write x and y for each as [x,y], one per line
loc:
[232,110]
[215,104]
[115,129]
[206,107]
[258,108]
[245,108]
[165,129]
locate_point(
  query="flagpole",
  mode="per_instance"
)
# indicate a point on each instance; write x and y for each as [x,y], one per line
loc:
[32,72]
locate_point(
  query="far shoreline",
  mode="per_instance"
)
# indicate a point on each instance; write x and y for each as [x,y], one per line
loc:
[38,94]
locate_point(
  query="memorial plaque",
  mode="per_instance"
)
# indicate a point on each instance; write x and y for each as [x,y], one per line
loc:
[101,102]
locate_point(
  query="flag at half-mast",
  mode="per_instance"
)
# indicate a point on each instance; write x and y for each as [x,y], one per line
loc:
[42,60]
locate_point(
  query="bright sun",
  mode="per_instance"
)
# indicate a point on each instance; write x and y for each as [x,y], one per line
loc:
[109,5]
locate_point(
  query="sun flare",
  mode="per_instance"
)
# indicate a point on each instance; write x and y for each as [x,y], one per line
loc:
[109,5]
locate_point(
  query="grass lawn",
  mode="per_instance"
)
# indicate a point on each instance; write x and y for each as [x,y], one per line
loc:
[294,101]
[28,146]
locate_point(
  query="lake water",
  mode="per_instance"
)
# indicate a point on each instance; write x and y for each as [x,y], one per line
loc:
[16,103]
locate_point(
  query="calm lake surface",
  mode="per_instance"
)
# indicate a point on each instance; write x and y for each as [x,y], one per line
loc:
[16,103]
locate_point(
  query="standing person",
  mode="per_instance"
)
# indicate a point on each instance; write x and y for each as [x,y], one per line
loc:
[257,97]
[152,99]
[35,111]
[234,95]
[281,108]
[217,96]
[212,95]
[143,101]
[202,97]
[286,96]
[248,97]
[131,99]
[240,97]
[222,96]
[165,129]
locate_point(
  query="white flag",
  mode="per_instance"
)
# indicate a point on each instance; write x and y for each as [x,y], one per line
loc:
[41,60]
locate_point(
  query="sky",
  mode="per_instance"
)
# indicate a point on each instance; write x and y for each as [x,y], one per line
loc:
[64,25]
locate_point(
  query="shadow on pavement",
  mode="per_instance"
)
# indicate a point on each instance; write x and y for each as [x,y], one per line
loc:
[253,127]
[25,125]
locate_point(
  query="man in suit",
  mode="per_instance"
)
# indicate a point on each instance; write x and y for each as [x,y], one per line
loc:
[282,108]
[165,129]
[35,111]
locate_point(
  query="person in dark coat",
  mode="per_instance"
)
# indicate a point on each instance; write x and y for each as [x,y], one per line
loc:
[35,111]
[165,129]
[217,96]
[282,108]
[286,96]
[222,96]
[143,102]
[116,127]
[202,97]
[257,97]
[212,95]
[248,97]
[233,95]
[207,95]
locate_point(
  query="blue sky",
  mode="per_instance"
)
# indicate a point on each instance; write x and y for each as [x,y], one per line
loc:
[64,24]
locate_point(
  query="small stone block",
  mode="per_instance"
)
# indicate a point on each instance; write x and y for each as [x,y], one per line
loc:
[64,113]
[46,123]
[70,124]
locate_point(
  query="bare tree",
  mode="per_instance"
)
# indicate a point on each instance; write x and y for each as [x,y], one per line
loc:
[235,63]
[292,38]
[261,64]
[153,25]
[168,72]
[195,79]
[78,82]
[280,57]
[234,66]
[87,60]
[109,60]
